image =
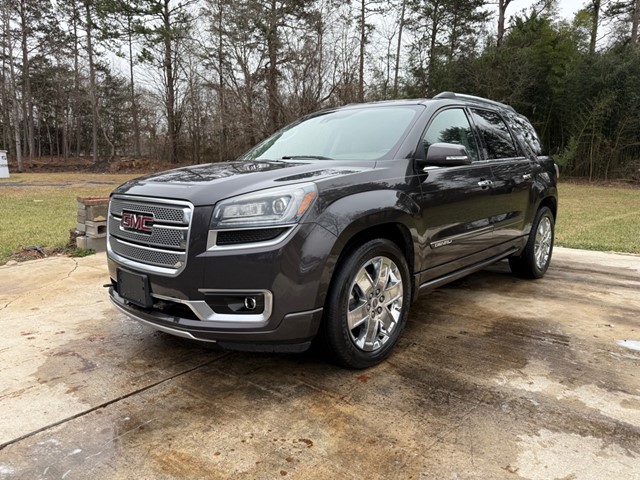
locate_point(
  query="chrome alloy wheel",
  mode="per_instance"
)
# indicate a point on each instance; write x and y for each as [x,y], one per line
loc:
[375,304]
[544,237]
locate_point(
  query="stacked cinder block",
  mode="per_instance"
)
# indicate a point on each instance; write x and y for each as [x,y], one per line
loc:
[92,223]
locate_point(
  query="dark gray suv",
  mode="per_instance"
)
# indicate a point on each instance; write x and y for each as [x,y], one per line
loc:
[333,225]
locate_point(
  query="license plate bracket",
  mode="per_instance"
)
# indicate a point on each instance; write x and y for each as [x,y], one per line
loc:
[134,287]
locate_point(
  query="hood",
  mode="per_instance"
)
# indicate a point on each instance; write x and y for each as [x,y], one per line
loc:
[207,184]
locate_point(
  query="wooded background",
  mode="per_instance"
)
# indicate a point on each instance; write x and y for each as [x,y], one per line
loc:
[202,80]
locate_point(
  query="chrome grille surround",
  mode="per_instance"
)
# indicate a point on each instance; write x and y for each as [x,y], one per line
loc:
[165,250]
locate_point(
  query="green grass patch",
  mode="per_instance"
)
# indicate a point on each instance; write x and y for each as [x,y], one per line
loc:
[605,218]
[40,209]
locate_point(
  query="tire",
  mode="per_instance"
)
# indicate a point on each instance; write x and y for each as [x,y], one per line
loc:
[534,260]
[367,305]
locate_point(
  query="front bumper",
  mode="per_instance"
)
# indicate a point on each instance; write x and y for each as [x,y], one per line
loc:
[292,277]
[293,333]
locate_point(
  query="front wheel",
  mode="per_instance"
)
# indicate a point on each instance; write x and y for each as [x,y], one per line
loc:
[536,256]
[367,304]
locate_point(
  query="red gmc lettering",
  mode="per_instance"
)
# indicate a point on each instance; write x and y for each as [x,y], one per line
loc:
[138,222]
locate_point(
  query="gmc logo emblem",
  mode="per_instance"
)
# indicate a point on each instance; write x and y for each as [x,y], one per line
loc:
[137,222]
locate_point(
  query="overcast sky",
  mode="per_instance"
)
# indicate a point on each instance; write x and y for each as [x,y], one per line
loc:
[569,7]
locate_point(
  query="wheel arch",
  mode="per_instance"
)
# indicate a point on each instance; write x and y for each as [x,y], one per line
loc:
[334,333]
[351,238]
[552,203]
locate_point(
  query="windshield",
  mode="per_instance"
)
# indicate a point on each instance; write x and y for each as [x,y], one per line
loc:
[367,133]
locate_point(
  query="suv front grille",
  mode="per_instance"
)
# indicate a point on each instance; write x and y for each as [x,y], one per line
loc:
[158,245]
[162,213]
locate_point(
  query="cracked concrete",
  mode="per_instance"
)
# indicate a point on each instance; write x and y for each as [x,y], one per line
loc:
[494,377]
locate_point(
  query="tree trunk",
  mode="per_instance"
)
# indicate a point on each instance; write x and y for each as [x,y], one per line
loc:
[635,18]
[272,70]
[134,104]
[398,50]
[92,85]
[16,109]
[171,94]
[222,149]
[6,112]
[432,53]
[453,37]
[65,135]
[502,9]
[26,81]
[75,104]
[363,39]
[594,26]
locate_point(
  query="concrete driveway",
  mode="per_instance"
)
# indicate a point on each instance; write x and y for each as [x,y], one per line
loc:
[494,377]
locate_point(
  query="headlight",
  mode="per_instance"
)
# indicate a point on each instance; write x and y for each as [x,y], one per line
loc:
[275,206]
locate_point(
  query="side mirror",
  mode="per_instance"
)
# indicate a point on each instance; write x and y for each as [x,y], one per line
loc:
[447,155]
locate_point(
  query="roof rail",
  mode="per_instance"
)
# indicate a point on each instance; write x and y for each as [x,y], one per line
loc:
[473,98]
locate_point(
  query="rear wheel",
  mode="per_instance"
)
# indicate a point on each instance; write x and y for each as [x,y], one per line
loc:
[367,304]
[536,257]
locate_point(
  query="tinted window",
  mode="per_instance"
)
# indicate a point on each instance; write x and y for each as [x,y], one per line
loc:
[359,134]
[495,133]
[451,126]
[529,136]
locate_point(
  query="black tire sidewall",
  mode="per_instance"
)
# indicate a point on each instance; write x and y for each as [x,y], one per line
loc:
[336,333]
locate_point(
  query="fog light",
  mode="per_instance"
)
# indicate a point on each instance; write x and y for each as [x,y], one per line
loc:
[247,303]
[250,303]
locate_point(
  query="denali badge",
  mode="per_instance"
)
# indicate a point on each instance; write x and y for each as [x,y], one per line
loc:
[137,222]
[441,243]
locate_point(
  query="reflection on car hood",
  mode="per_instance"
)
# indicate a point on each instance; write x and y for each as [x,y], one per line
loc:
[206,184]
[212,171]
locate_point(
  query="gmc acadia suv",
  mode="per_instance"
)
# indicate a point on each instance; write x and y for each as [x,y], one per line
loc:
[333,225]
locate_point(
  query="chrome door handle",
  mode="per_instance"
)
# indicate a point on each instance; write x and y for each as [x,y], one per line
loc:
[485,183]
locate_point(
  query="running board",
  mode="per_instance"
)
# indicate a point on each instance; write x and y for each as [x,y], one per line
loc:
[437,282]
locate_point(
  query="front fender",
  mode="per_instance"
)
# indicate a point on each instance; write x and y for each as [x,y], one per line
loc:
[372,210]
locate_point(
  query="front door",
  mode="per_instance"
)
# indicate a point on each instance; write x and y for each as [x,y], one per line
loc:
[457,202]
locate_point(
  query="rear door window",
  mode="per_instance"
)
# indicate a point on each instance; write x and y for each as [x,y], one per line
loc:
[497,138]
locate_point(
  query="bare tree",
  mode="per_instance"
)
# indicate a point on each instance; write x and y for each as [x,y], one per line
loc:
[635,18]
[396,72]
[627,13]
[502,11]
[13,89]
[25,15]
[88,6]
[595,23]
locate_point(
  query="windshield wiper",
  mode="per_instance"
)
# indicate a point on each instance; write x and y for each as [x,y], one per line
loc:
[305,157]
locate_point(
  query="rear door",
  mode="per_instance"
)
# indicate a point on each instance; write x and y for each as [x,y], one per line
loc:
[513,173]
